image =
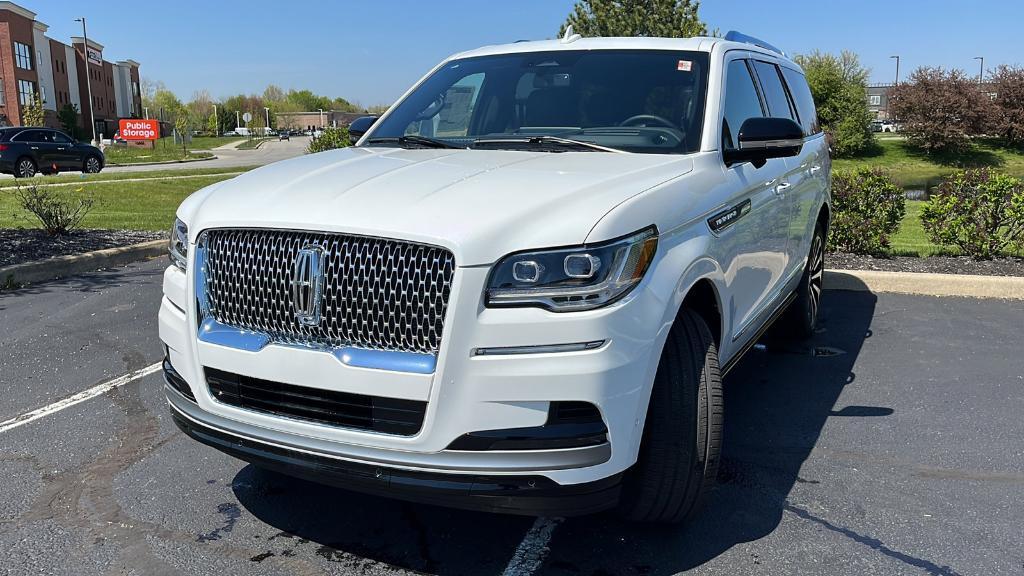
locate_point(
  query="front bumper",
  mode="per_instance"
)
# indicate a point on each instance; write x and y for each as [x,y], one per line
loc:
[466,392]
[521,494]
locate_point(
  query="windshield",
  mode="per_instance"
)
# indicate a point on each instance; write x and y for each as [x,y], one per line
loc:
[629,100]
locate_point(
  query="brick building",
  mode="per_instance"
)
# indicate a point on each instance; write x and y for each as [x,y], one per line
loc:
[33,63]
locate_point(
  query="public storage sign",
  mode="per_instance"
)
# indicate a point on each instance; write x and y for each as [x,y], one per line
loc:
[140,129]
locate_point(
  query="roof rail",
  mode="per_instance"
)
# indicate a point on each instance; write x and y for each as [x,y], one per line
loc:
[734,36]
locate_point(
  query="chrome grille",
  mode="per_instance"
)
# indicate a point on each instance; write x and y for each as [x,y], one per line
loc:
[378,293]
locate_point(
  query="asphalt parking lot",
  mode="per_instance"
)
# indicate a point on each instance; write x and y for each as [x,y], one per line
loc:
[892,444]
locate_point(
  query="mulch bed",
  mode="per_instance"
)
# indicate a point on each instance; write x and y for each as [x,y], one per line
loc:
[933,264]
[21,245]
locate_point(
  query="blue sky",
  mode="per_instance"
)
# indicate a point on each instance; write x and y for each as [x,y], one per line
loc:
[370,51]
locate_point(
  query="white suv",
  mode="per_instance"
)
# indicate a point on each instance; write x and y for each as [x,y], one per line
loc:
[519,290]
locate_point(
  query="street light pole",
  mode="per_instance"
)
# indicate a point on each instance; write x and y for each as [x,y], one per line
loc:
[981,69]
[897,69]
[267,110]
[88,79]
[216,122]
[146,110]
[321,118]
[237,121]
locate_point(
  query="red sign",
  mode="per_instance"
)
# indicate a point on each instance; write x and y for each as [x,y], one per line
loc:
[140,129]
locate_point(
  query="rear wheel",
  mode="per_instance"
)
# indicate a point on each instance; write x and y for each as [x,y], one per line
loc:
[92,165]
[679,452]
[801,318]
[25,168]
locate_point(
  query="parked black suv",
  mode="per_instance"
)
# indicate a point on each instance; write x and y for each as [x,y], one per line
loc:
[27,150]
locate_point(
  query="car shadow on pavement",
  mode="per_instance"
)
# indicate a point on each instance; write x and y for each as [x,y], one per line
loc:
[776,402]
[364,533]
[90,282]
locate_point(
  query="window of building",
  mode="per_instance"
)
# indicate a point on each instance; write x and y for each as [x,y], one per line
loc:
[22,56]
[875,100]
[26,92]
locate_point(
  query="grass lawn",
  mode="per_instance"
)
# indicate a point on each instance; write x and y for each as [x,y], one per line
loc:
[202,142]
[915,170]
[119,155]
[911,239]
[118,205]
[76,177]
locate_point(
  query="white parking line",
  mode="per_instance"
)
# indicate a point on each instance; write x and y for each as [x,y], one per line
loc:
[533,548]
[77,398]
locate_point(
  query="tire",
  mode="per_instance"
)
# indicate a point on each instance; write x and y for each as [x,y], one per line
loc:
[92,165]
[25,167]
[682,441]
[800,320]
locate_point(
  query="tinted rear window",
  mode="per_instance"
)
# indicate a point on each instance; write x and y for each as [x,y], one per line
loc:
[774,91]
[804,101]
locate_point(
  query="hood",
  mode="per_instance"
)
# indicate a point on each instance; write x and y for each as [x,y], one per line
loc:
[480,204]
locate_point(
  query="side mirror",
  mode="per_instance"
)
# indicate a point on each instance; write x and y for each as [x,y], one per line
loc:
[763,138]
[360,126]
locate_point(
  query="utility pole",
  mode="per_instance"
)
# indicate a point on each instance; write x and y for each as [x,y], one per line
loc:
[981,69]
[88,79]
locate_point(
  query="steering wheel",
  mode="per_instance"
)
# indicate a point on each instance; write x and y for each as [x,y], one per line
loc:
[645,118]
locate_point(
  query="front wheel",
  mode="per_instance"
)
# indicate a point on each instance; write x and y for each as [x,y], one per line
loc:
[92,165]
[682,440]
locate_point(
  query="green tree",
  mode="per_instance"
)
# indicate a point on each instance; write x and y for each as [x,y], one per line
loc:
[68,118]
[166,106]
[212,124]
[32,113]
[665,18]
[839,85]
[183,126]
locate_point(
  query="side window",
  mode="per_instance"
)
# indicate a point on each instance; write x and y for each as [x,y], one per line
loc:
[773,90]
[741,102]
[60,138]
[804,101]
[27,136]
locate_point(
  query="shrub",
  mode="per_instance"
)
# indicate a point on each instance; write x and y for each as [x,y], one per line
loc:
[940,110]
[59,213]
[1007,83]
[981,212]
[867,208]
[839,86]
[330,139]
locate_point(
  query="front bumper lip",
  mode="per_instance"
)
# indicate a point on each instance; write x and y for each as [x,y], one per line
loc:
[532,495]
[489,462]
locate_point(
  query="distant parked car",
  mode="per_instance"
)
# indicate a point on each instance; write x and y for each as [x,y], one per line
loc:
[230,133]
[876,126]
[888,126]
[24,151]
[284,135]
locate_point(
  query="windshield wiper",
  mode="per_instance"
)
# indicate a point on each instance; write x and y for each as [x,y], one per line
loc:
[551,141]
[413,140]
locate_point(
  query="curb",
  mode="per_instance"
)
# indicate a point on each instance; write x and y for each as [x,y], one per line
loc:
[925,284]
[63,266]
[162,162]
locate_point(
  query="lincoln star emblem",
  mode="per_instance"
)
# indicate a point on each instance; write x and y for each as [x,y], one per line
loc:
[308,285]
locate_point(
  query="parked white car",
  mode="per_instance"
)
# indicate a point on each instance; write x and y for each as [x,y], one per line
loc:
[518,292]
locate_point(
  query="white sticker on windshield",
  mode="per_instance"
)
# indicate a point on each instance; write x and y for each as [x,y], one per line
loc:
[684,65]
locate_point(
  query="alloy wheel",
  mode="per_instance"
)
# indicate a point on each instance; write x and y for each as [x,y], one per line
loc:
[26,168]
[816,273]
[92,165]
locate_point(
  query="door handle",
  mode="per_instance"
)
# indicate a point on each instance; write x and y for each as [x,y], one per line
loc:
[815,169]
[780,189]
[35,147]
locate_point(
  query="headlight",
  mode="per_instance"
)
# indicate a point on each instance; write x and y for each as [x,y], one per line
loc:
[178,246]
[568,279]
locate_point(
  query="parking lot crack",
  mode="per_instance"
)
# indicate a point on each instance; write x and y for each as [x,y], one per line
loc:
[874,544]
